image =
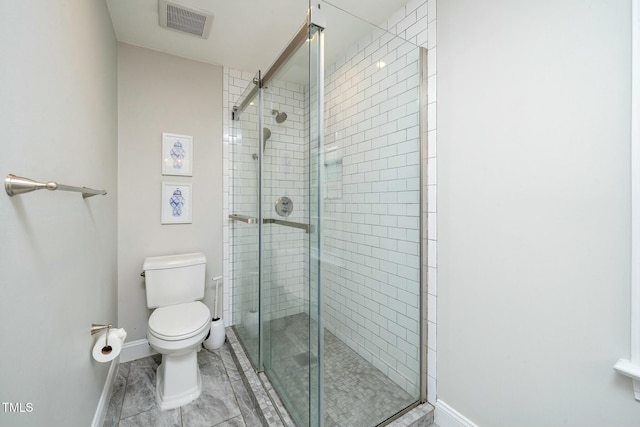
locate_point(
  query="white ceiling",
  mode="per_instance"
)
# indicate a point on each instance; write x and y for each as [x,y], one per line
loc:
[246,34]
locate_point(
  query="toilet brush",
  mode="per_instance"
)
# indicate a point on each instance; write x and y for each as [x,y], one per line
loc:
[217,333]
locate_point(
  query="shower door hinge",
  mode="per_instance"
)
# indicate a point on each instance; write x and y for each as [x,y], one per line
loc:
[316,18]
[235,114]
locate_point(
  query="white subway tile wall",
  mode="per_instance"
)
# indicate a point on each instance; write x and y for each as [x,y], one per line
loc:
[425,15]
[371,293]
[285,174]
[240,193]
[285,249]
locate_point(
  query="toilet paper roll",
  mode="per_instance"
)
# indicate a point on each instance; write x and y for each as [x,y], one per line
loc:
[101,353]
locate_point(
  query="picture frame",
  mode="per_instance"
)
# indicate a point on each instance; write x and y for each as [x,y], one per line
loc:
[176,203]
[177,154]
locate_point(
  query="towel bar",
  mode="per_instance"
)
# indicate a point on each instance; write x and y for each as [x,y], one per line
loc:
[14,185]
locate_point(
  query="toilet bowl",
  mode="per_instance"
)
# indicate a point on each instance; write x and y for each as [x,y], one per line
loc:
[178,324]
[177,332]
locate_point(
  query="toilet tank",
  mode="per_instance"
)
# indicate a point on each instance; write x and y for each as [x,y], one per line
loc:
[174,279]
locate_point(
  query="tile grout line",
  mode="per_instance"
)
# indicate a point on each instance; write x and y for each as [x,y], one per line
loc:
[235,394]
[124,393]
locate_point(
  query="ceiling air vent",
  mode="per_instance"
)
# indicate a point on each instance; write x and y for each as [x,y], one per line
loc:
[184,19]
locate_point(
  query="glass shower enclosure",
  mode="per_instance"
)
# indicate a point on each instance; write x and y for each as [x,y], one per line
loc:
[325,225]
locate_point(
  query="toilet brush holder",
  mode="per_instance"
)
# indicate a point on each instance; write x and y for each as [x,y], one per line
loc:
[216,335]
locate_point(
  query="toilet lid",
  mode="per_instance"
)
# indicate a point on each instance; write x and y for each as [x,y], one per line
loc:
[179,321]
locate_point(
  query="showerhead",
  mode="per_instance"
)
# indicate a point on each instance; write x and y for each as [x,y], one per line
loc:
[280,116]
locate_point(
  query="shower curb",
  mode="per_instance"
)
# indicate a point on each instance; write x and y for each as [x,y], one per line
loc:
[272,411]
[420,416]
[273,395]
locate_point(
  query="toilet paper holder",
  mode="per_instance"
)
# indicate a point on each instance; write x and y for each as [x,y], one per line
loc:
[97,327]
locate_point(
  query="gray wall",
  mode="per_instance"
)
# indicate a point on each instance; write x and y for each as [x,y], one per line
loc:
[163,93]
[533,221]
[58,115]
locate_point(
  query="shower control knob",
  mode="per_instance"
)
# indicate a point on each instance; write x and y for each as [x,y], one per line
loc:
[284,206]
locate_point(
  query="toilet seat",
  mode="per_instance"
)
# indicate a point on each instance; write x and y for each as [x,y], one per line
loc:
[180,321]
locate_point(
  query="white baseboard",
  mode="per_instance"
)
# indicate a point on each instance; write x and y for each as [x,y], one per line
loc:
[446,416]
[137,349]
[103,403]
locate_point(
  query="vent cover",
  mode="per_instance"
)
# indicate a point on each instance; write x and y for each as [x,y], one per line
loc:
[184,19]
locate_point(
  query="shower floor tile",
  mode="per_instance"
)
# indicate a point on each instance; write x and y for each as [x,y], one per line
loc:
[355,392]
[224,400]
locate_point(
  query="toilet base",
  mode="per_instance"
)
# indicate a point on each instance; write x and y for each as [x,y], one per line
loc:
[178,380]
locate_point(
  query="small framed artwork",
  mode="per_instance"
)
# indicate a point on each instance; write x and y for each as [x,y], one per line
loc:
[177,154]
[176,203]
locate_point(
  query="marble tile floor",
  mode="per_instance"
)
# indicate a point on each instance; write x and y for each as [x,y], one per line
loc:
[224,402]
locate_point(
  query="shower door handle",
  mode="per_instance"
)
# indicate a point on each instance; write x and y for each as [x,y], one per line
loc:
[243,218]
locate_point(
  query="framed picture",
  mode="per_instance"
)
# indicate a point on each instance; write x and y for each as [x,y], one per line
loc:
[176,203]
[177,154]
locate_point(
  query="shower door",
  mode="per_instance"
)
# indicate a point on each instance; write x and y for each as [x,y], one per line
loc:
[275,224]
[289,305]
[245,243]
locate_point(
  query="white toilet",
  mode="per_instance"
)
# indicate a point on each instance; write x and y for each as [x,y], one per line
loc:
[178,325]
